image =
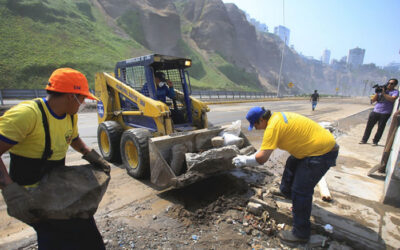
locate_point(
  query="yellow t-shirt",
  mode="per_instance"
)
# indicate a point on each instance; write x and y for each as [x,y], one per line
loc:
[22,126]
[299,135]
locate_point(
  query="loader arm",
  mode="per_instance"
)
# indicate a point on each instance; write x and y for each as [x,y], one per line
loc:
[199,110]
[109,89]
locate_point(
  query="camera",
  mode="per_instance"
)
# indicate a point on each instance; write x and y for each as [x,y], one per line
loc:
[379,88]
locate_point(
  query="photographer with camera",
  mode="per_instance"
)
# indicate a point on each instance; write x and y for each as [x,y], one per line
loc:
[385,96]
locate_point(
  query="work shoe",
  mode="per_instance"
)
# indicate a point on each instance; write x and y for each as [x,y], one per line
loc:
[374,144]
[362,142]
[288,238]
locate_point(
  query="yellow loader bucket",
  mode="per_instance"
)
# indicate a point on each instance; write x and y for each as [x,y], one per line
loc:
[162,150]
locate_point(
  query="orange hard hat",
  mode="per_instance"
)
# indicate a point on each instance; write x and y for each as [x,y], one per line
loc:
[67,80]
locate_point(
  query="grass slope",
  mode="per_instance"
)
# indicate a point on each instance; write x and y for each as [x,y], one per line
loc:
[38,36]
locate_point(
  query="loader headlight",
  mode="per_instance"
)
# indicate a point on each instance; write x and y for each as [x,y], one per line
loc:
[188,63]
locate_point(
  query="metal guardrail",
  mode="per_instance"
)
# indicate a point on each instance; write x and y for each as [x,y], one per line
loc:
[27,94]
[21,94]
[232,95]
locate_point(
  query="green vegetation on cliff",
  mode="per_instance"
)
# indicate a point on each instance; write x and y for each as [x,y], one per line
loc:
[38,36]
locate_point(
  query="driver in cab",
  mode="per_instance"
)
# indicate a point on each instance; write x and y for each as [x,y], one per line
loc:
[164,87]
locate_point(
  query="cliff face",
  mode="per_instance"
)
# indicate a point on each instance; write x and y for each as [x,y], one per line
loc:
[227,51]
[222,29]
[155,23]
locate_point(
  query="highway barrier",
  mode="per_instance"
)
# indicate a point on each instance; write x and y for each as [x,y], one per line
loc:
[26,94]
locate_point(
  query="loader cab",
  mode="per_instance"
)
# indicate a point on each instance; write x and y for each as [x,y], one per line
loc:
[139,74]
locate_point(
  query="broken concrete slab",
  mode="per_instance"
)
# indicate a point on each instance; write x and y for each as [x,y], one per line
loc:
[317,240]
[86,187]
[230,139]
[248,150]
[217,141]
[178,158]
[254,208]
[212,160]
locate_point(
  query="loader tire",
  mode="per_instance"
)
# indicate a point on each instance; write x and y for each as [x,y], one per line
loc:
[108,138]
[135,152]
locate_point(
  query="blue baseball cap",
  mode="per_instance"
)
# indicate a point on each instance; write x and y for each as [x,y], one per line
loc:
[254,115]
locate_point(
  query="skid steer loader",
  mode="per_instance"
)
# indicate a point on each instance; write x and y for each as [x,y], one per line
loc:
[139,130]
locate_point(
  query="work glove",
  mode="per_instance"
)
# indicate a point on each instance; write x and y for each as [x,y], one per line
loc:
[20,203]
[245,161]
[97,161]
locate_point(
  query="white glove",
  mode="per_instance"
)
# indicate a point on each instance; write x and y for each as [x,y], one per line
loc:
[244,160]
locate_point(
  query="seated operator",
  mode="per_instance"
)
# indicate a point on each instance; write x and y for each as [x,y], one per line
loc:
[164,87]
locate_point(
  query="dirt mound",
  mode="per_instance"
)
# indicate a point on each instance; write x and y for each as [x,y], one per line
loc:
[209,214]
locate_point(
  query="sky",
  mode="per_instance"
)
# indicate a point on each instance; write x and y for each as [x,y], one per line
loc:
[336,25]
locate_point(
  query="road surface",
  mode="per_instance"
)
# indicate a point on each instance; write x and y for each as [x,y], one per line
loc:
[123,191]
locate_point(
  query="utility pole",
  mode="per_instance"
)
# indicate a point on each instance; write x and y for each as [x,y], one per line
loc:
[280,69]
[283,49]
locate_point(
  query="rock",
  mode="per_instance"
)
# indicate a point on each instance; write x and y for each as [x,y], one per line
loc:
[281,226]
[217,141]
[255,232]
[70,192]
[255,208]
[212,160]
[258,192]
[317,240]
[334,245]
[230,139]
[178,158]
[248,150]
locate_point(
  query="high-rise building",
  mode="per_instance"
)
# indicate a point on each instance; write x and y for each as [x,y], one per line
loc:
[356,57]
[259,26]
[393,67]
[283,33]
[326,55]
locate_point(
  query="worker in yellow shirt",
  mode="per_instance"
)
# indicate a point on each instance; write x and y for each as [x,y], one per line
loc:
[37,134]
[313,151]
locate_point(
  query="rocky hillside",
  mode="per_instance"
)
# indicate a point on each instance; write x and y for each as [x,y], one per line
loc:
[92,35]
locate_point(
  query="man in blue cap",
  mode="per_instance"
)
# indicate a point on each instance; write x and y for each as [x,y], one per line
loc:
[313,150]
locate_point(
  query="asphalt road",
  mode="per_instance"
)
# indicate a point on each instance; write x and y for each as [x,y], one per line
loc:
[327,110]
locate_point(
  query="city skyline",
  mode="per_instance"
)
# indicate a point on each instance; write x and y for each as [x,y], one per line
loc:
[338,26]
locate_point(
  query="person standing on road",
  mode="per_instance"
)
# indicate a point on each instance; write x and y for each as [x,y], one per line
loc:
[314,99]
[384,99]
[313,150]
[37,134]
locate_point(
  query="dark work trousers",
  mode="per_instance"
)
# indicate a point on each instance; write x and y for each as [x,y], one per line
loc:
[374,118]
[298,181]
[72,234]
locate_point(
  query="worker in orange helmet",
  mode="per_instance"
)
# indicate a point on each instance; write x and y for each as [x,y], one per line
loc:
[37,134]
